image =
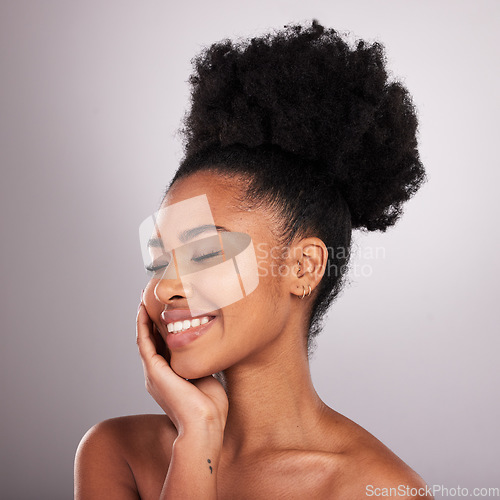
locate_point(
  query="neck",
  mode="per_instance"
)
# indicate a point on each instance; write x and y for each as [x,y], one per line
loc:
[272,401]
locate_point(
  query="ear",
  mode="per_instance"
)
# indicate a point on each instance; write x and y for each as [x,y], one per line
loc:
[309,259]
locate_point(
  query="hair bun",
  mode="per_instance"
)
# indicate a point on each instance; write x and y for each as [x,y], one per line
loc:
[308,92]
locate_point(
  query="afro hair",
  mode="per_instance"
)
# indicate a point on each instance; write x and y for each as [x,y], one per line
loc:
[316,125]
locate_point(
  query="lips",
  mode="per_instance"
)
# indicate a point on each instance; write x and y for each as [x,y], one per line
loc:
[185,326]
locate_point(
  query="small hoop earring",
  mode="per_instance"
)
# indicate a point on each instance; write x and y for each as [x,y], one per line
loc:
[310,291]
[303,292]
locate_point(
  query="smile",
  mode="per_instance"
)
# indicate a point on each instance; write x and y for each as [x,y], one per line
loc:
[182,326]
[185,326]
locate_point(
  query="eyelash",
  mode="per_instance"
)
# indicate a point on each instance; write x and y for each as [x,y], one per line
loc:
[209,255]
[154,269]
[198,258]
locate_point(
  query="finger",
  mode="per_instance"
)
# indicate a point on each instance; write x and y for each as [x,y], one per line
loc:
[161,347]
[160,378]
[145,341]
[205,383]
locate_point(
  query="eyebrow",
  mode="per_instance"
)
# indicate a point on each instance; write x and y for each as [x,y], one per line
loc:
[187,235]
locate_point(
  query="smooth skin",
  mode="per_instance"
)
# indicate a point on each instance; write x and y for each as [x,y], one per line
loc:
[258,429]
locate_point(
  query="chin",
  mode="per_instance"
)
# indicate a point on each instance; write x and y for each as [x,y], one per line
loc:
[190,368]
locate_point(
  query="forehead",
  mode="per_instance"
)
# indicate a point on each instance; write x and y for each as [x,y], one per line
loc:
[221,193]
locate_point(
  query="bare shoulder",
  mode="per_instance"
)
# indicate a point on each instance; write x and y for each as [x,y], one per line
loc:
[124,457]
[378,474]
[362,466]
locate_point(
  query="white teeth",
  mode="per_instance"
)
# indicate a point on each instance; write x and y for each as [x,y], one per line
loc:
[179,326]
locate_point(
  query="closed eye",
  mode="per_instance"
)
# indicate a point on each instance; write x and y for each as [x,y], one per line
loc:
[154,269]
[206,256]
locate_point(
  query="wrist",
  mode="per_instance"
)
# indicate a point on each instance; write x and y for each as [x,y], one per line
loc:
[194,463]
[199,447]
[201,429]
[204,435]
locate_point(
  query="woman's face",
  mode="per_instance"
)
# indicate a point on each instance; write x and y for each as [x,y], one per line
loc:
[239,329]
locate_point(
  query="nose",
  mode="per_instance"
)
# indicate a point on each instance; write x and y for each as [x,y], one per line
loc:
[169,290]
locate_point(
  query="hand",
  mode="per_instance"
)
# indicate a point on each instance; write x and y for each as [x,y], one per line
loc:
[190,404]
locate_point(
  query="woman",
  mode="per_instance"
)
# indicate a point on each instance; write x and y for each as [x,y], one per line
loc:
[293,140]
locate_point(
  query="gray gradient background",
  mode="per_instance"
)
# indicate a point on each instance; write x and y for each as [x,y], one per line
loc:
[91,95]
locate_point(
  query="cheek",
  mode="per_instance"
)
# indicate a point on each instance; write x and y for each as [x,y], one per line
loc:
[214,288]
[257,317]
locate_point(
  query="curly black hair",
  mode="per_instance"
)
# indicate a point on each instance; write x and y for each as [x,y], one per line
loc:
[317,130]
